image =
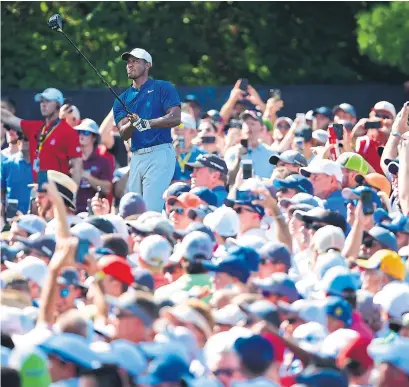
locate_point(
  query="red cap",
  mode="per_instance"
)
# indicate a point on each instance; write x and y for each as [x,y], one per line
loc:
[117,267]
[278,345]
[356,350]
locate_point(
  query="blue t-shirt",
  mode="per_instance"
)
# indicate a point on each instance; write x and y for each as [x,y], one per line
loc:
[16,174]
[185,175]
[151,101]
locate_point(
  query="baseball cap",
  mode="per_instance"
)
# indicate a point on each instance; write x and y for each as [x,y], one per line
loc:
[155,250]
[32,268]
[131,205]
[387,106]
[381,215]
[355,194]
[327,261]
[264,310]
[356,351]
[45,244]
[8,253]
[196,245]
[102,224]
[304,133]
[69,277]
[71,348]
[327,238]
[310,336]
[223,221]
[300,198]
[347,108]
[187,121]
[328,167]
[214,115]
[297,182]
[321,377]
[195,226]
[320,135]
[31,365]
[186,200]
[318,214]
[254,351]
[339,309]
[324,111]
[32,224]
[287,120]
[336,280]
[394,352]
[50,94]
[116,267]
[143,277]
[139,53]
[306,310]
[89,125]
[276,252]
[176,189]
[234,264]
[309,116]
[206,195]
[383,236]
[246,198]
[353,162]
[169,368]
[88,232]
[290,157]
[394,299]
[375,180]
[229,315]
[278,283]
[192,98]
[209,161]
[251,114]
[387,261]
[400,223]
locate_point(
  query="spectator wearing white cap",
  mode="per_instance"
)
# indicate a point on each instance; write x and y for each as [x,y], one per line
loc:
[26,225]
[186,152]
[326,177]
[97,170]
[53,142]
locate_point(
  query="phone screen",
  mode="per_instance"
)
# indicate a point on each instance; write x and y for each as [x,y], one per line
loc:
[82,250]
[247,166]
[41,179]
[373,125]
[244,83]
[339,131]
[275,94]
[12,208]
[367,205]
[208,140]
[244,142]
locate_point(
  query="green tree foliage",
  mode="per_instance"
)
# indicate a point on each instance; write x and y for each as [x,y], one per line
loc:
[383,34]
[192,43]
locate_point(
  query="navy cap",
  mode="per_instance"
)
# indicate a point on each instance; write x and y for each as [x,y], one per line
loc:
[290,157]
[209,161]
[305,133]
[131,204]
[316,377]
[297,182]
[254,351]
[45,244]
[245,198]
[347,108]
[339,309]
[234,264]
[176,189]
[168,368]
[321,215]
[101,224]
[144,278]
[276,253]
[324,111]
[264,310]
[69,277]
[206,195]
[385,237]
[278,283]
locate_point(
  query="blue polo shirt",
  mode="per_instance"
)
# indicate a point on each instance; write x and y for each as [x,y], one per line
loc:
[335,202]
[150,101]
[16,174]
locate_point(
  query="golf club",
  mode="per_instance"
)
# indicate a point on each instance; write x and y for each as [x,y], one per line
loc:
[55,23]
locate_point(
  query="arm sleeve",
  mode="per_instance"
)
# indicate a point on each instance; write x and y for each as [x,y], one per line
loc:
[169,96]
[119,111]
[73,144]
[29,128]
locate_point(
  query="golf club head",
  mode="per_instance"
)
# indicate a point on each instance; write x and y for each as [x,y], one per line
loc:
[55,22]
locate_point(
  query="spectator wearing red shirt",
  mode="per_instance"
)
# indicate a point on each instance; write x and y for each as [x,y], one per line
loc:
[54,144]
[97,170]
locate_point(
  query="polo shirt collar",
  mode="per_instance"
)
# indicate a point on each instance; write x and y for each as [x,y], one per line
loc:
[146,84]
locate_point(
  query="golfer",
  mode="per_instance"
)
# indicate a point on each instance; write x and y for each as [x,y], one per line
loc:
[156,109]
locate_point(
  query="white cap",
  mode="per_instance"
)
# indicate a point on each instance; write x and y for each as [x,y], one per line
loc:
[88,124]
[32,268]
[138,53]
[129,357]
[155,250]
[327,261]
[188,121]
[32,224]
[310,336]
[336,341]
[307,310]
[328,167]
[387,106]
[50,94]
[119,224]
[393,298]
[89,232]
[15,320]
[229,315]
[320,135]
[223,221]
[309,116]
[328,237]
[253,241]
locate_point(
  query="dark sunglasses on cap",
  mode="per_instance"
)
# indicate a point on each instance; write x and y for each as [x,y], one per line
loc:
[383,116]
[225,371]
[283,126]
[85,132]
[240,210]
[178,210]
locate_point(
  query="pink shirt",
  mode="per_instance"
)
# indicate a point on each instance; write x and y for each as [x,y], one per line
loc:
[360,326]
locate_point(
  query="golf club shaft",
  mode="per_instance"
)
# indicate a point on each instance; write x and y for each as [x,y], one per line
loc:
[97,72]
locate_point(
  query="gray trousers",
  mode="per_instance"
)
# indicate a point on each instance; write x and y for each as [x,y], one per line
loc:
[151,171]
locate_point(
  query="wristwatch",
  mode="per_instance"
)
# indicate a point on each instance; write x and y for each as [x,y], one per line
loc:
[396,134]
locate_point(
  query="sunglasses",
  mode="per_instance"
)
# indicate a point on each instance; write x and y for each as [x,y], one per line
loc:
[64,292]
[85,132]
[282,126]
[368,243]
[178,210]
[383,116]
[292,320]
[240,210]
[225,371]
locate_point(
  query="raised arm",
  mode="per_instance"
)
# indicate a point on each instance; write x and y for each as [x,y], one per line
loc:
[106,130]
[10,119]
[403,176]
[235,95]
